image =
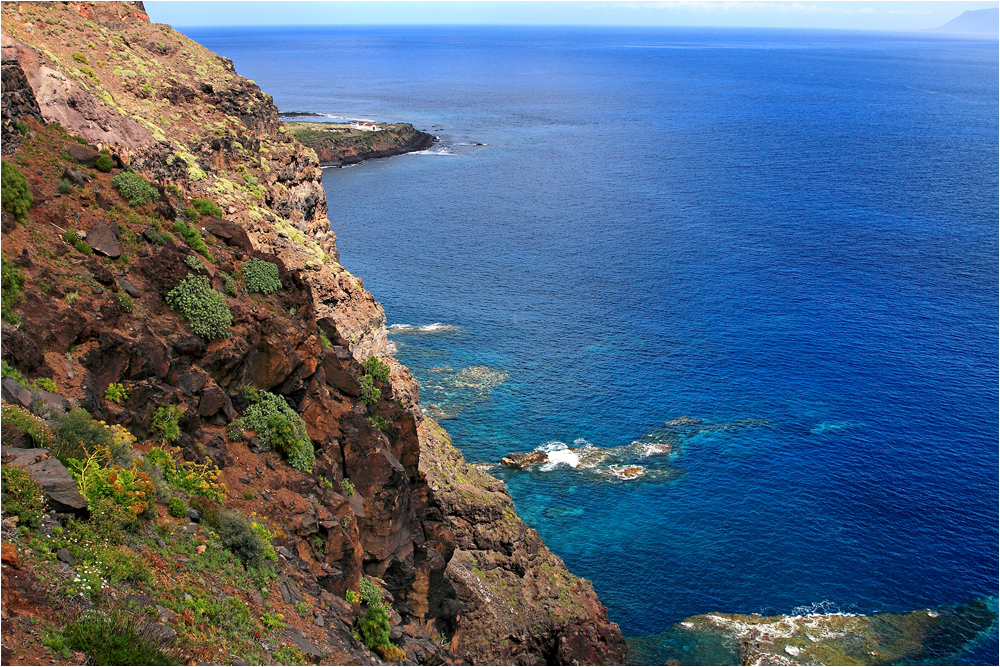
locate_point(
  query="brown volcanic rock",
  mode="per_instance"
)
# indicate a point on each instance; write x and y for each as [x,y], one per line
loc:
[519,603]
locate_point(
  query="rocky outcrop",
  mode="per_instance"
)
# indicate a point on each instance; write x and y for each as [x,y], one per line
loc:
[339,145]
[57,484]
[18,102]
[520,605]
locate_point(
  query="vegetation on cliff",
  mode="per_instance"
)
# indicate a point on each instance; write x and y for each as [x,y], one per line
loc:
[229,449]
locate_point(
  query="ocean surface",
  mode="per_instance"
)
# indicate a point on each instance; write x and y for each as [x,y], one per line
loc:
[619,228]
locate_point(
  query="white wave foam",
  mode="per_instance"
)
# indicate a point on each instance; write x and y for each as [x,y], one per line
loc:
[557,454]
[425,328]
[443,150]
[626,473]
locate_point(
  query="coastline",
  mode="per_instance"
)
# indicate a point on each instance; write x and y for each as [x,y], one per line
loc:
[340,145]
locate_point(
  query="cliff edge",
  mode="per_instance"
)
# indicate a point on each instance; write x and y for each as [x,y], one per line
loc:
[155,308]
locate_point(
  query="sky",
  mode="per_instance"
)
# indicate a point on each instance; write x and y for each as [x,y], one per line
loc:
[902,15]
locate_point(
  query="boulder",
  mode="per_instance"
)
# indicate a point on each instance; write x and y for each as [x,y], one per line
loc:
[103,240]
[83,154]
[523,459]
[229,232]
[57,484]
[129,288]
[77,177]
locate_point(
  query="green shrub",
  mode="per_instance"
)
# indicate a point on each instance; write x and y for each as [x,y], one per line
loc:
[261,276]
[200,479]
[74,240]
[48,384]
[195,263]
[80,58]
[22,496]
[273,621]
[116,392]
[240,537]
[128,488]
[279,427]
[347,487]
[370,394]
[64,187]
[378,421]
[77,434]
[15,191]
[13,289]
[164,425]
[22,128]
[176,508]
[20,418]
[373,628]
[104,163]
[134,188]
[115,638]
[192,214]
[352,597]
[124,301]
[193,238]
[379,369]
[204,308]
[230,283]
[207,207]
[234,431]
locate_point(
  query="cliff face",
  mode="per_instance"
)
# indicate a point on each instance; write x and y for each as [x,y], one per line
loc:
[443,538]
[340,145]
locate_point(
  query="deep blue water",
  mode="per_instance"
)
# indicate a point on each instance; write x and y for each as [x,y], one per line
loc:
[793,226]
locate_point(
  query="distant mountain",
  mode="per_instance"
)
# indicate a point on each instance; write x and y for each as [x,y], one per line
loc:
[976,21]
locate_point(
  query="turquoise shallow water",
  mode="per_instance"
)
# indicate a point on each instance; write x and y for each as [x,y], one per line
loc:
[797,227]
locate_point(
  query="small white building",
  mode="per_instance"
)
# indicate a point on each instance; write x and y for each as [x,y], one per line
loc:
[365,126]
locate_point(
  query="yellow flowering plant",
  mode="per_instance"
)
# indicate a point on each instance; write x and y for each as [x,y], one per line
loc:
[197,479]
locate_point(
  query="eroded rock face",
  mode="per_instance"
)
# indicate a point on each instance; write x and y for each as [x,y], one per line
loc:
[57,484]
[520,605]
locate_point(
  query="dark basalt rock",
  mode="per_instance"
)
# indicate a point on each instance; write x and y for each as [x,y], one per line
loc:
[523,459]
[57,484]
[103,240]
[83,154]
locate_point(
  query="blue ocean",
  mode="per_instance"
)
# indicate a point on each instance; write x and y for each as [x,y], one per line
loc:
[771,253]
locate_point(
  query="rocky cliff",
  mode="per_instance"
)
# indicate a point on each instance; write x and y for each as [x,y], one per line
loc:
[388,499]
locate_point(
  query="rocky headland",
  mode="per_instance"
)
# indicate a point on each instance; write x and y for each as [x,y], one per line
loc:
[169,268]
[337,145]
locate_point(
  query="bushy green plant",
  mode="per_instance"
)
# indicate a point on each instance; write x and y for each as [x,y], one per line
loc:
[373,628]
[14,191]
[378,369]
[192,214]
[77,434]
[279,427]
[352,597]
[230,283]
[22,128]
[116,392]
[347,486]
[193,238]
[378,421]
[130,489]
[204,308]
[124,301]
[239,536]
[200,479]
[134,188]
[261,276]
[164,425]
[80,58]
[176,508]
[13,288]
[207,207]
[48,384]
[234,431]
[104,163]
[64,186]
[41,435]
[370,394]
[22,496]
[195,263]
[115,638]
[273,621]
[74,240]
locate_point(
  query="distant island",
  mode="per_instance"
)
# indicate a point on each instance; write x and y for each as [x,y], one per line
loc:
[974,22]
